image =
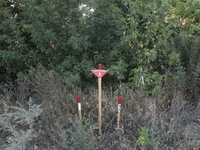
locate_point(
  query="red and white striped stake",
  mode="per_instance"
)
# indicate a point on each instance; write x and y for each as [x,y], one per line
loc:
[79,107]
[119,109]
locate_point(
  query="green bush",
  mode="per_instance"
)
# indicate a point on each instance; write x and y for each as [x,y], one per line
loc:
[18,123]
[143,139]
[78,135]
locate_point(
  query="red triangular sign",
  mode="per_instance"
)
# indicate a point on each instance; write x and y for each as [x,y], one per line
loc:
[99,73]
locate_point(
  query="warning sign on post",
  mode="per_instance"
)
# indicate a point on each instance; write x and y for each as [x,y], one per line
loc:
[99,73]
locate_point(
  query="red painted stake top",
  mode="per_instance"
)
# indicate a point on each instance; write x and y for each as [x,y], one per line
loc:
[99,66]
[79,99]
[119,100]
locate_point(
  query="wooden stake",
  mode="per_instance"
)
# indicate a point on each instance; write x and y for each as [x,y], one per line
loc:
[100,107]
[119,109]
[79,107]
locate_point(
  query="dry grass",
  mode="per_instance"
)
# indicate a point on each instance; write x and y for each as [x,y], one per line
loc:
[172,122]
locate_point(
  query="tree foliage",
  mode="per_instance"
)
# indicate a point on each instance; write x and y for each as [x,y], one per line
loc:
[42,32]
[141,42]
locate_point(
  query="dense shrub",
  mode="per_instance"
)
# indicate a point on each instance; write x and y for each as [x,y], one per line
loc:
[169,120]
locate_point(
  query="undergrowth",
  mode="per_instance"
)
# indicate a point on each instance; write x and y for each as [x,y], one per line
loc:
[166,121]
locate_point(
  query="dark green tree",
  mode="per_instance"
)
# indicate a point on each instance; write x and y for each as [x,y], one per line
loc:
[46,32]
[141,42]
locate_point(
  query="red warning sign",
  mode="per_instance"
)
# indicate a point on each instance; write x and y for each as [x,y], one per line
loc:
[99,73]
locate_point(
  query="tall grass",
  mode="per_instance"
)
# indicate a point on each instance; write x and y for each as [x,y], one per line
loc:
[169,119]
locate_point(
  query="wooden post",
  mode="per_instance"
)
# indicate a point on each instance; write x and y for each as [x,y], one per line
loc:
[100,107]
[79,107]
[99,73]
[100,99]
[119,109]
